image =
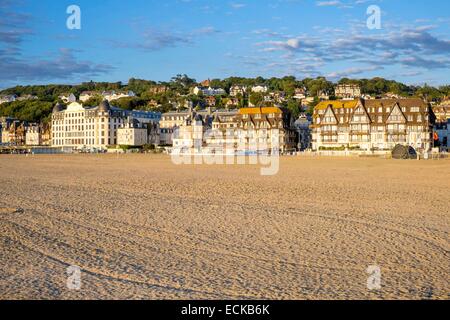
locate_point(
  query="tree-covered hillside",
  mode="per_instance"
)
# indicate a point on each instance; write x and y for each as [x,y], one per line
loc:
[161,96]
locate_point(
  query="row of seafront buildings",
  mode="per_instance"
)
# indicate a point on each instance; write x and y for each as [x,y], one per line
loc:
[368,125]
[373,124]
[234,130]
[19,133]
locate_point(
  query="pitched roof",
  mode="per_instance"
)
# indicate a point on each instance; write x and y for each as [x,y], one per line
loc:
[264,110]
[337,104]
[410,102]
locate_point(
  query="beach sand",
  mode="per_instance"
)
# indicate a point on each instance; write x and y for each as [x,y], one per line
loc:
[140,227]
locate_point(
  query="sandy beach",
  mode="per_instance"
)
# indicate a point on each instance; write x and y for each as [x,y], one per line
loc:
[140,227]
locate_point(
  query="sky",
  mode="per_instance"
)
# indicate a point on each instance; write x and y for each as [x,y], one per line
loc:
[156,40]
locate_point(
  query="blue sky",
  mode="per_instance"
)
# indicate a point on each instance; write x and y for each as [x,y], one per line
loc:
[217,39]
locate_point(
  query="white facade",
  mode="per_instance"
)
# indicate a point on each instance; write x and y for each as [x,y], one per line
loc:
[300,93]
[189,136]
[113,95]
[235,90]
[171,121]
[129,136]
[209,91]
[33,136]
[134,133]
[347,91]
[8,98]
[85,96]
[80,127]
[260,89]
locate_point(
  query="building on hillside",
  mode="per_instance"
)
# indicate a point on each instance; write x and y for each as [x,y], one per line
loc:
[67,98]
[232,103]
[302,126]
[372,124]
[92,128]
[390,95]
[300,93]
[260,89]
[8,98]
[347,91]
[153,103]
[113,95]
[158,89]
[210,101]
[206,83]
[135,133]
[323,95]
[277,97]
[208,91]
[367,97]
[238,90]
[268,99]
[86,95]
[442,111]
[26,97]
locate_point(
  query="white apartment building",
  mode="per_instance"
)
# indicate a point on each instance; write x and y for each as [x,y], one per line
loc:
[79,127]
[170,121]
[188,138]
[135,133]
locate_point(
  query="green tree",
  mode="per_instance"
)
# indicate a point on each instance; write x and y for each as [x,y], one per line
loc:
[295,107]
[256,99]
